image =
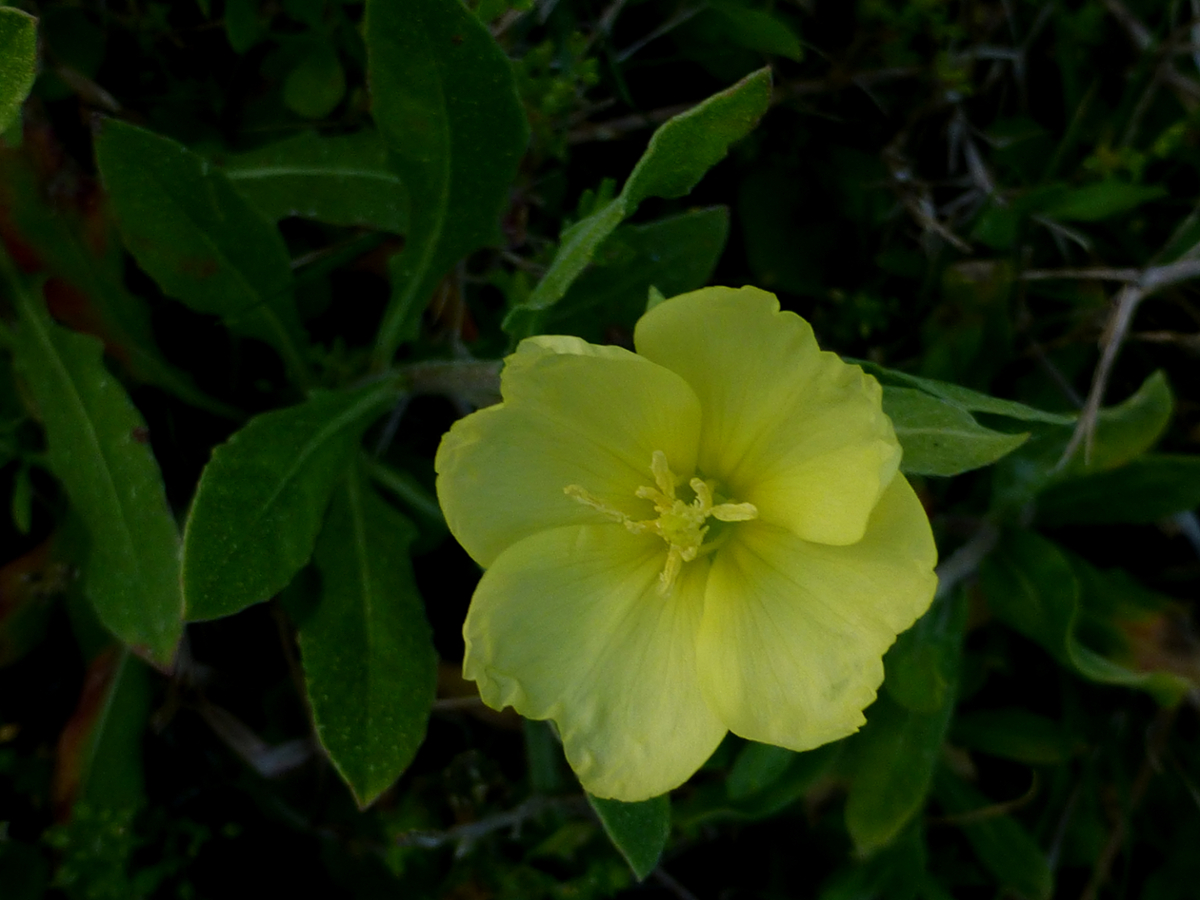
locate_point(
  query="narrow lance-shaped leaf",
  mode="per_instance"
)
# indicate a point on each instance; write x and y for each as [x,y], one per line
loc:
[638,830]
[81,252]
[963,398]
[368,655]
[675,255]
[97,448]
[445,100]
[343,180]
[940,438]
[680,152]
[262,496]
[98,759]
[198,238]
[18,61]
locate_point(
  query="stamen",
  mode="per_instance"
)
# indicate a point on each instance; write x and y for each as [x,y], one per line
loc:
[575,492]
[683,526]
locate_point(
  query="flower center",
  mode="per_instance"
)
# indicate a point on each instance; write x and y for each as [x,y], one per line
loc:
[682,524]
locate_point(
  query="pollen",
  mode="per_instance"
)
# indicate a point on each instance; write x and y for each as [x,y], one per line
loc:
[683,525]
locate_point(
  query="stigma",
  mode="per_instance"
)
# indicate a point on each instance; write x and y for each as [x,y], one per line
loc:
[682,524]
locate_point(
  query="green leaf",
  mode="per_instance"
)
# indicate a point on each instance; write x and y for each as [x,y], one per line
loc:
[756,768]
[638,830]
[680,152]
[343,180]
[100,754]
[1144,490]
[776,790]
[18,61]
[939,438]
[262,497]
[1127,430]
[1123,433]
[1032,586]
[368,654]
[921,667]
[1015,733]
[895,754]
[242,24]
[315,87]
[1101,201]
[1001,843]
[97,449]
[758,30]
[86,289]
[963,398]
[204,245]
[445,100]
[673,255]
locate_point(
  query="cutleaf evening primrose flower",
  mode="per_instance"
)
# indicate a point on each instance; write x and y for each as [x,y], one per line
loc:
[709,535]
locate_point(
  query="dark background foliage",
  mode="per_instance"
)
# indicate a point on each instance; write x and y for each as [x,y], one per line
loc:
[962,191]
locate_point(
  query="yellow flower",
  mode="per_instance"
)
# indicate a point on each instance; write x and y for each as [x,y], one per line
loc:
[709,535]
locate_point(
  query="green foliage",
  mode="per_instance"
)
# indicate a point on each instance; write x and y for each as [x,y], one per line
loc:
[639,830]
[255,258]
[261,501]
[342,180]
[18,61]
[368,660]
[198,238]
[97,447]
[678,155]
[445,101]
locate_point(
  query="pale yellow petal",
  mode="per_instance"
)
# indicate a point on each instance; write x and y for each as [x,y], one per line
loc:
[793,634]
[573,414]
[787,427]
[568,625]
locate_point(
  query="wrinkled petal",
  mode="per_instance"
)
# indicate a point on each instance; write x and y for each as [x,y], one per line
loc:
[787,427]
[568,625]
[791,643]
[573,414]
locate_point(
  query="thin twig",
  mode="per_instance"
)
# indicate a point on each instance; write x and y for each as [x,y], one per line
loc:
[1130,297]
[672,23]
[964,561]
[669,882]
[992,811]
[1091,274]
[470,832]
[1085,429]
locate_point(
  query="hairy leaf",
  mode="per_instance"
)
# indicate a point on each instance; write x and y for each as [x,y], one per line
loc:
[262,497]
[81,253]
[98,450]
[18,61]
[675,255]
[445,101]
[680,152]
[638,830]
[940,438]
[343,180]
[198,238]
[368,655]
